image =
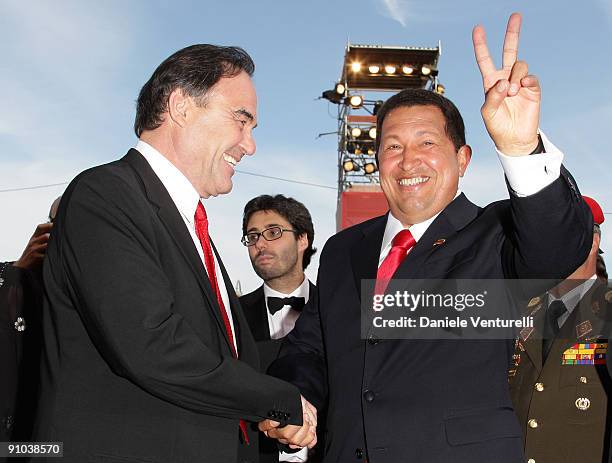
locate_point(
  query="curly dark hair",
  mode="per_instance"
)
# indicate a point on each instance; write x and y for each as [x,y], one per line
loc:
[292,210]
[194,69]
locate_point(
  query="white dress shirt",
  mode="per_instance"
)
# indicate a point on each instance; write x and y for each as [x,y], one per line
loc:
[283,321]
[572,298]
[526,175]
[186,199]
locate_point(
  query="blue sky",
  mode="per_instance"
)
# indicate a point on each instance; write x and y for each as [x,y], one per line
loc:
[71,71]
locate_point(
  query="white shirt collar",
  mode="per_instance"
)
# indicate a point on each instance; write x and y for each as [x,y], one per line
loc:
[181,190]
[394,226]
[301,291]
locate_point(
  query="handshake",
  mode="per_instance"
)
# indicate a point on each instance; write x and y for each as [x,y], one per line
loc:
[296,437]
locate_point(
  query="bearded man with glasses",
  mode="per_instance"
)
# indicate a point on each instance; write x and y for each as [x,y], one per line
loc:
[278,234]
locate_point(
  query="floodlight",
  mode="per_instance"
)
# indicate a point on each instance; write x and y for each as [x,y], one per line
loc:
[425,70]
[372,133]
[369,168]
[332,96]
[388,67]
[350,166]
[356,132]
[354,148]
[340,88]
[356,66]
[356,101]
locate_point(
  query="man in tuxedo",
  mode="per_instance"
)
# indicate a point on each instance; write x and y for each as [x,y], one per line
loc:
[436,400]
[278,234]
[148,356]
[560,379]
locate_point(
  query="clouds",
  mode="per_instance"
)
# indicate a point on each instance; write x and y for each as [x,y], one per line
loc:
[72,70]
[397,10]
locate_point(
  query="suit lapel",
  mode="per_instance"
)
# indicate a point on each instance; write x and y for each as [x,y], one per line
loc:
[533,343]
[459,213]
[256,313]
[366,252]
[312,291]
[244,339]
[174,223]
[582,320]
[262,312]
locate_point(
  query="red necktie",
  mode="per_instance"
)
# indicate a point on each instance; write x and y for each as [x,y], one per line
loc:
[401,244]
[201,226]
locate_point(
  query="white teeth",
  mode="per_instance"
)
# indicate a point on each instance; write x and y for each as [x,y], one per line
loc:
[230,159]
[413,181]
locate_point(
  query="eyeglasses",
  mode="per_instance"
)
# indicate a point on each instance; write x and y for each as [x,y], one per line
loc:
[269,234]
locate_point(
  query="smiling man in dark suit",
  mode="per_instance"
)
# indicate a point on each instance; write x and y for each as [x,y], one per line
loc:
[148,355]
[278,233]
[436,401]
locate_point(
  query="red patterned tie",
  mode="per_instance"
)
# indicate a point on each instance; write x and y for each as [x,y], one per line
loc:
[201,226]
[401,244]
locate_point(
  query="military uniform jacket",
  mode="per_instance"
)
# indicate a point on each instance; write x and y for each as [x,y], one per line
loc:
[563,404]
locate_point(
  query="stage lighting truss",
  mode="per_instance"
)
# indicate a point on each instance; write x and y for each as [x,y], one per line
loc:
[382,68]
[351,165]
[367,70]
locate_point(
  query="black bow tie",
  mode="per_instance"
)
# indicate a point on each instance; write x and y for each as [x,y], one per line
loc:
[277,303]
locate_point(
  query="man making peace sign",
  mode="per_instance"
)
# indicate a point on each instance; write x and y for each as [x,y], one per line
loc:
[433,401]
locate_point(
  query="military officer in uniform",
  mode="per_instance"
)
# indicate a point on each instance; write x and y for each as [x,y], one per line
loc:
[560,376]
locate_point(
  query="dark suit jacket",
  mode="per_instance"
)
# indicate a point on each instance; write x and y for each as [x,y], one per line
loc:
[20,307]
[256,314]
[548,391]
[137,361]
[419,400]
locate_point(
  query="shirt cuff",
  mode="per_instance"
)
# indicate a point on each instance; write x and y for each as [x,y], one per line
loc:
[529,174]
[299,456]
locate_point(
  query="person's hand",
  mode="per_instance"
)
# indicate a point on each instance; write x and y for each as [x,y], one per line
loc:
[35,251]
[292,435]
[309,411]
[511,111]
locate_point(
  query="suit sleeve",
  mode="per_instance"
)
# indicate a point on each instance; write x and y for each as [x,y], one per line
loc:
[551,232]
[126,303]
[301,360]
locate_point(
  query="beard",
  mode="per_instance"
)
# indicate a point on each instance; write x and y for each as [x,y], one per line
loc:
[283,264]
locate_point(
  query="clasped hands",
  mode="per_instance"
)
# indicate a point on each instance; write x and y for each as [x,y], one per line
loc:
[294,436]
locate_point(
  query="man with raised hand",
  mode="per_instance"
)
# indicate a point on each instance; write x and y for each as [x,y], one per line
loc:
[437,401]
